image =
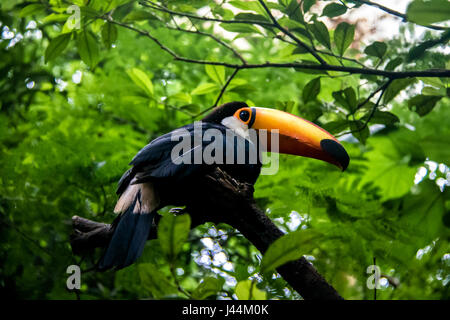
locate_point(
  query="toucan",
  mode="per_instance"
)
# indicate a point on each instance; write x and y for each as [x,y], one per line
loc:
[165,168]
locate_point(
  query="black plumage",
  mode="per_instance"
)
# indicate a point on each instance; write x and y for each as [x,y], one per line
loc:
[153,169]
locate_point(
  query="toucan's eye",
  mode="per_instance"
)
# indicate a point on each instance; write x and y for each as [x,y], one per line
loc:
[244,115]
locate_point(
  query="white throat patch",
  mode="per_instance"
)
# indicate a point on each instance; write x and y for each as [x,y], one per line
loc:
[237,126]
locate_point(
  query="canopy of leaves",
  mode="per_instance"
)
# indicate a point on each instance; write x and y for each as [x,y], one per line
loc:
[84,88]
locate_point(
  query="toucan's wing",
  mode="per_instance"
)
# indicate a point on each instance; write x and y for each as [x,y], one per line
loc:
[180,154]
[148,161]
[139,199]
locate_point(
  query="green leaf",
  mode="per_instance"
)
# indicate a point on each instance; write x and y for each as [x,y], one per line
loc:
[173,231]
[424,210]
[247,5]
[417,52]
[432,91]
[54,17]
[299,50]
[31,9]
[394,63]
[109,34]
[337,126]
[209,287]
[273,5]
[191,108]
[303,33]
[141,79]
[359,130]
[154,280]
[388,165]
[307,4]
[250,17]
[320,32]
[346,98]
[343,36]
[88,48]
[237,82]
[333,10]
[350,97]
[422,104]
[247,290]
[57,46]
[205,88]
[216,73]
[435,82]
[427,12]
[240,27]
[139,15]
[289,247]
[181,96]
[382,117]
[396,87]
[376,49]
[294,12]
[311,90]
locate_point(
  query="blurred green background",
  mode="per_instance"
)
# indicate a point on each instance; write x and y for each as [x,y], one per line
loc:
[75,110]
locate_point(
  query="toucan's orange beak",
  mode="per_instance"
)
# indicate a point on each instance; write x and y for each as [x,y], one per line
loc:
[297,136]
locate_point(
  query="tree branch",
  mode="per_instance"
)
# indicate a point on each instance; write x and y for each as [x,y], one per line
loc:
[326,67]
[219,198]
[155,6]
[383,89]
[224,88]
[219,41]
[395,13]
[275,23]
[221,93]
[290,35]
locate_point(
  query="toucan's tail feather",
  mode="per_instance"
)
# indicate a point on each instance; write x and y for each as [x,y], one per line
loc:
[131,231]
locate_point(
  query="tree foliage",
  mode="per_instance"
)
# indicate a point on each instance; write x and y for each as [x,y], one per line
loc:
[79,100]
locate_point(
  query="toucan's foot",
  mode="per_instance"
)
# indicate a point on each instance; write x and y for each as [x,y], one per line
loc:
[178,211]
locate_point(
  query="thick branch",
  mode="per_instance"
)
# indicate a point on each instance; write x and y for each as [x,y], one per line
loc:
[219,198]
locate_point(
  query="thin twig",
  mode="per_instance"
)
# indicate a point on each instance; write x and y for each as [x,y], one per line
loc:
[325,67]
[26,237]
[383,89]
[396,13]
[322,51]
[274,24]
[177,283]
[219,41]
[225,86]
[290,35]
[155,6]
[360,105]
[221,93]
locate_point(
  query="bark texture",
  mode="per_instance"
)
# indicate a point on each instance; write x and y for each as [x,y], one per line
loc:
[219,198]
